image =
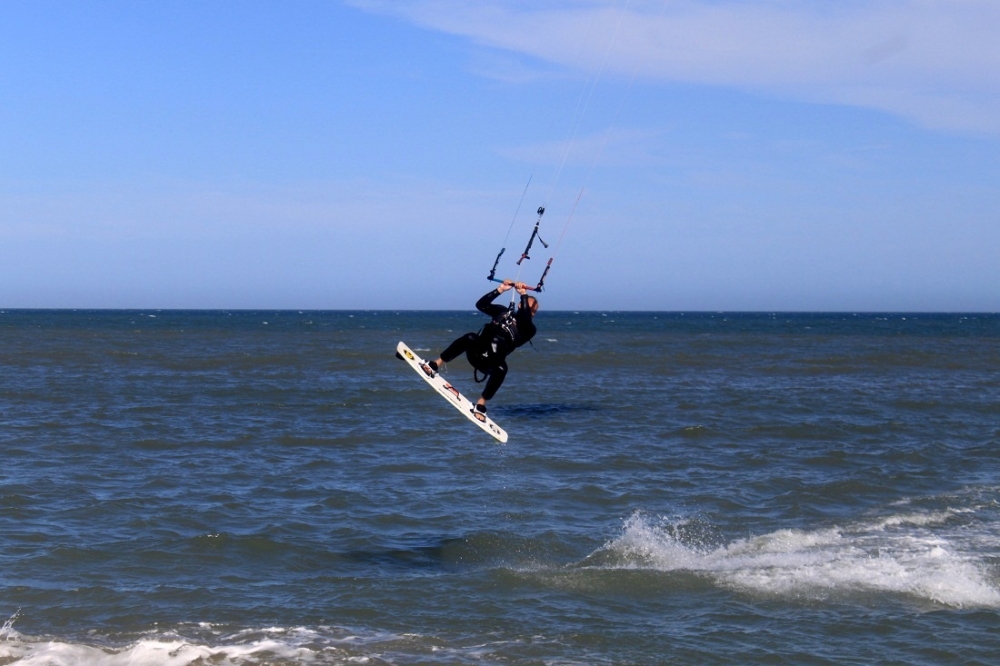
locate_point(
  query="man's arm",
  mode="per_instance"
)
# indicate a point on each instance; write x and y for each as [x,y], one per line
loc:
[525,326]
[485,304]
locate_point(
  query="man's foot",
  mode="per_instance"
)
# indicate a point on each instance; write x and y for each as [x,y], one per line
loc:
[430,368]
[479,411]
[480,408]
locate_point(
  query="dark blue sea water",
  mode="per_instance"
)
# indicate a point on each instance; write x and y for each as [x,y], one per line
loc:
[276,488]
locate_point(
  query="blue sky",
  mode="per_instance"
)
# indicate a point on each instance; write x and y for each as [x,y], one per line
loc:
[770,155]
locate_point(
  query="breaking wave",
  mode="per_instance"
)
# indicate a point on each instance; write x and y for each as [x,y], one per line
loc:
[932,556]
[207,644]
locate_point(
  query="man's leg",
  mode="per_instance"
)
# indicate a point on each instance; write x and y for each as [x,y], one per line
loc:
[453,351]
[493,382]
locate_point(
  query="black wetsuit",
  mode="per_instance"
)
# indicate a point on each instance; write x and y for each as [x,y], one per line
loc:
[487,350]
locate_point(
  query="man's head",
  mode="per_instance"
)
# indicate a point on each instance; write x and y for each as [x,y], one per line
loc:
[532,304]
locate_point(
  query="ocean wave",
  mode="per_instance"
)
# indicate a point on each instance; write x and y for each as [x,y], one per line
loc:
[901,554]
[205,643]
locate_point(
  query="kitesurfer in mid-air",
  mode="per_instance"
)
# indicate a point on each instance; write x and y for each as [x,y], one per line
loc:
[487,350]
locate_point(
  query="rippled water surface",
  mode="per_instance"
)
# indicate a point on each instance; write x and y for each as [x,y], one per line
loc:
[275,487]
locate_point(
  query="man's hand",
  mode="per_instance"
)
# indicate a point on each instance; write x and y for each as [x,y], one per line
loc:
[521,288]
[507,284]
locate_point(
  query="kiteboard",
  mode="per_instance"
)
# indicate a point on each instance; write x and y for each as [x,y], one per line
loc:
[450,393]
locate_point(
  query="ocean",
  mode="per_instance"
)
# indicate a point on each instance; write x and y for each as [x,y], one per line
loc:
[275,487]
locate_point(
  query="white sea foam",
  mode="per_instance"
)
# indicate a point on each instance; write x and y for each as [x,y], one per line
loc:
[272,645]
[918,519]
[901,554]
[318,646]
[158,652]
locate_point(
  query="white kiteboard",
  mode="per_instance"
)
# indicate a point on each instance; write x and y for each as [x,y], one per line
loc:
[451,394]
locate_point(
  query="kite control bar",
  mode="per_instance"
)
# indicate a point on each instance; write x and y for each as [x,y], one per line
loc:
[537,287]
[492,277]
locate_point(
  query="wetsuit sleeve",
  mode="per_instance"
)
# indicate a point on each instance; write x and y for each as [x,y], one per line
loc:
[525,326]
[487,307]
